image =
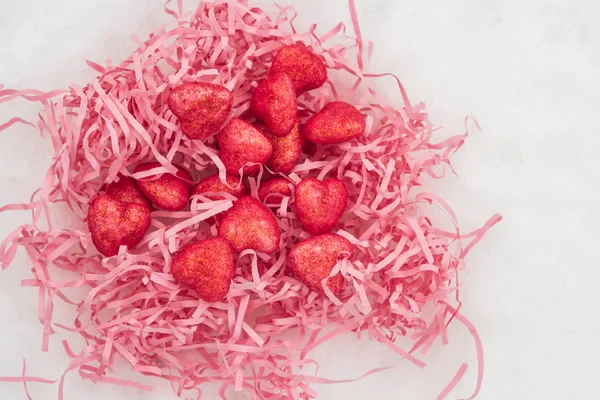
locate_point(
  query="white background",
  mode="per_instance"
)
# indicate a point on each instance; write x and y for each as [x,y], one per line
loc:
[529,70]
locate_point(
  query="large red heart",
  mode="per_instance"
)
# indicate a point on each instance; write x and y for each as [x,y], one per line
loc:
[286,149]
[113,223]
[127,191]
[213,184]
[207,267]
[337,122]
[166,191]
[320,204]
[313,260]
[249,224]
[201,107]
[274,103]
[307,70]
[241,143]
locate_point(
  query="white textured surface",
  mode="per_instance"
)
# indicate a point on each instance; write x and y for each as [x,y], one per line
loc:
[529,70]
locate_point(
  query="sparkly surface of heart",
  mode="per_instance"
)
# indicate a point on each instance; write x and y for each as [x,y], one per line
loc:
[240,143]
[305,68]
[277,187]
[213,184]
[167,191]
[201,108]
[313,260]
[286,149]
[274,103]
[320,204]
[249,224]
[127,191]
[337,122]
[207,267]
[113,223]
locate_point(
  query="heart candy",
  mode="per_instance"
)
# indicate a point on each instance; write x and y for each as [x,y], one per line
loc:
[306,69]
[286,149]
[201,107]
[113,223]
[278,187]
[127,191]
[207,267]
[165,191]
[337,122]
[213,184]
[249,224]
[241,143]
[274,103]
[313,259]
[320,204]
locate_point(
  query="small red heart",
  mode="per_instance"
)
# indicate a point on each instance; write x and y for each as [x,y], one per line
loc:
[113,223]
[127,191]
[320,204]
[286,149]
[241,143]
[213,184]
[249,224]
[201,107]
[307,70]
[207,267]
[313,260]
[166,191]
[275,188]
[337,122]
[274,103]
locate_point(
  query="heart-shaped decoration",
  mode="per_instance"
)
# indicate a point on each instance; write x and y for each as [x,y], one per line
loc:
[337,122]
[213,184]
[241,143]
[201,107]
[306,69]
[286,149]
[274,103]
[127,191]
[249,224]
[207,267]
[313,260]
[113,223]
[165,191]
[275,189]
[320,204]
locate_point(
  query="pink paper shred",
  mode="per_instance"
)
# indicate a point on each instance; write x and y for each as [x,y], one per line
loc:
[135,311]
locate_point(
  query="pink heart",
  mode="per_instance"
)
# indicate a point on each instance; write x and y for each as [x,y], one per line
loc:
[241,143]
[307,70]
[274,103]
[167,191]
[337,122]
[320,204]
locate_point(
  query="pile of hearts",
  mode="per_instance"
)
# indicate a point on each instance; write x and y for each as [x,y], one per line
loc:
[233,206]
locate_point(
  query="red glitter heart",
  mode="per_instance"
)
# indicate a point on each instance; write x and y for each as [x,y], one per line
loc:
[113,223]
[241,143]
[306,69]
[337,122]
[201,107]
[165,191]
[278,187]
[213,184]
[313,260]
[286,149]
[320,204]
[249,224]
[127,191]
[274,103]
[207,267]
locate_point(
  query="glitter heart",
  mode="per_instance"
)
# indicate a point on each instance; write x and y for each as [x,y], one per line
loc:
[127,191]
[313,260]
[241,143]
[113,223]
[207,267]
[201,108]
[274,103]
[306,69]
[286,149]
[320,204]
[213,184]
[275,189]
[165,191]
[337,122]
[249,224]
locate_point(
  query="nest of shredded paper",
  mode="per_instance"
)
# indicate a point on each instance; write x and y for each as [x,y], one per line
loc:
[401,266]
